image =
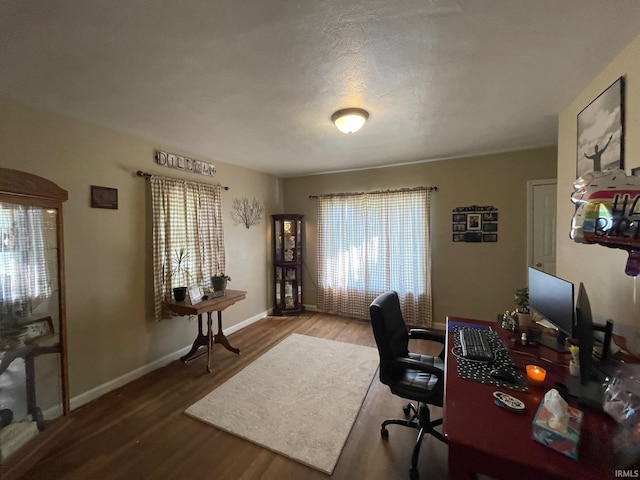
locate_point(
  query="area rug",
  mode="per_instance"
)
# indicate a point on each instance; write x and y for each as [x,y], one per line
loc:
[300,399]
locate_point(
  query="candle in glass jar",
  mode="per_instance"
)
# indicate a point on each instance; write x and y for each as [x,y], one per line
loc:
[535,374]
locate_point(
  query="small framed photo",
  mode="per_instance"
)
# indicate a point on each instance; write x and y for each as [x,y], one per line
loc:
[489,237]
[458,237]
[473,237]
[195,294]
[490,217]
[474,221]
[37,329]
[104,197]
[460,217]
[489,227]
[459,227]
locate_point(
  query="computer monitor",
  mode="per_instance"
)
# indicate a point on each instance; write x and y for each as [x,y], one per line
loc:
[552,298]
[588,387]
[584,334]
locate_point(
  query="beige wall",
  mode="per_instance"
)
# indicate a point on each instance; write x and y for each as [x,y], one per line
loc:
[110,329]
[109,316]
[474,280]
[611,292]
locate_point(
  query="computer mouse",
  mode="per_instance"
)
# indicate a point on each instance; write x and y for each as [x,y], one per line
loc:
[504,374]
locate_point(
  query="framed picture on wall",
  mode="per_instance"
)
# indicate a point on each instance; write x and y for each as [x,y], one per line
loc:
[601,132]
[489,237]
[474,221]
[104,197]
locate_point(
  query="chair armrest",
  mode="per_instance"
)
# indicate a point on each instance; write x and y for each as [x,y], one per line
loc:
[422,334]
[416,365]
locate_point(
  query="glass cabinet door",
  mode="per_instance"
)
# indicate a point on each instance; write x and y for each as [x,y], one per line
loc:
[33,380]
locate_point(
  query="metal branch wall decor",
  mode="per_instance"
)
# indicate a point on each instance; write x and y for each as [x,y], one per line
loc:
[245,212]
[475,224]
[179,162]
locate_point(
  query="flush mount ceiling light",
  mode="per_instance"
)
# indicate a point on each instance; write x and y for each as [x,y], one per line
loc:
[350,120]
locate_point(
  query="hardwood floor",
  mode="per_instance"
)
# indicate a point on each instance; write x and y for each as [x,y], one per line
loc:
[141,431]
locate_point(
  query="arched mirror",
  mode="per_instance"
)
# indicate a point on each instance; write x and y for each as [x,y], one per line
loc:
[33,365]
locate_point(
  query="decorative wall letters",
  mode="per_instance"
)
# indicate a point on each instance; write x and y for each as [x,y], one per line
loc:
[183,163]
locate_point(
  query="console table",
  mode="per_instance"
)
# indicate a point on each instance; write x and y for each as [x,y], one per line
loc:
[208,306]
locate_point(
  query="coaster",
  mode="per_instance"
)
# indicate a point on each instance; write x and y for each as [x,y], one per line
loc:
[508,402]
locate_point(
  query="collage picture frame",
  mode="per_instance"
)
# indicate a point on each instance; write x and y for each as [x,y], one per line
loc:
[475,224]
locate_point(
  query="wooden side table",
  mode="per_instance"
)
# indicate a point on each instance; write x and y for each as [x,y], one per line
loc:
[217,304]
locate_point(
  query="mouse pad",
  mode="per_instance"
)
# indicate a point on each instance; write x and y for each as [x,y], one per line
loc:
[481,371]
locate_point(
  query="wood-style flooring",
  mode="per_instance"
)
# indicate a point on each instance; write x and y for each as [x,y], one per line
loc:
[140,431]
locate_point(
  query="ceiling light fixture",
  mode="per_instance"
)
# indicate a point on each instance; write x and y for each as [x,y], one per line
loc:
[350,120]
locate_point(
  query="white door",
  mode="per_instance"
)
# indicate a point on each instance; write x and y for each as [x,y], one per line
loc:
[541,225]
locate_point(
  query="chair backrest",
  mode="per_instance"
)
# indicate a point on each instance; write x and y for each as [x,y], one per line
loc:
[389,329]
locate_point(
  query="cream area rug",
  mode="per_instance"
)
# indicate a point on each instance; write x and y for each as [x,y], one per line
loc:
[300,399]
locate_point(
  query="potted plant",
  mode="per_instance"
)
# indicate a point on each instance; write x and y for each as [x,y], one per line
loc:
[522,301]
[219,281]
[179,274]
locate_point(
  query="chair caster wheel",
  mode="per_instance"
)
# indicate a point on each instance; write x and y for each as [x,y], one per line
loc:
[407,409]
[384,433]
[413,474]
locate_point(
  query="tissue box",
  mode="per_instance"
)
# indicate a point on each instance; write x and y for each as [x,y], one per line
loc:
[563,442]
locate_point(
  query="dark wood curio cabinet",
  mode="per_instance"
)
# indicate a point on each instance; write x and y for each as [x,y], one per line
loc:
[33,362]
[287,264]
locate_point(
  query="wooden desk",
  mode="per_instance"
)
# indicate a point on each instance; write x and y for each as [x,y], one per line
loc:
[484,438]
[208,306]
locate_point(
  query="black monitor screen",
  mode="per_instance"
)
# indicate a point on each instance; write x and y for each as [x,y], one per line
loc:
[552,298]
[584,333]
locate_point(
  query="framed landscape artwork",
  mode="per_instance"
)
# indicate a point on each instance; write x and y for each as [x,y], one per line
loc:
[601,132]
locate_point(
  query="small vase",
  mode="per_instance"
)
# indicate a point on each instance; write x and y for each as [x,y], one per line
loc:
[180,293]
[524,319]
[574,368]
[219,283]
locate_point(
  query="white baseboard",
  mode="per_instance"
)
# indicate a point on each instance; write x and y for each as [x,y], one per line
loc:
[311,308]
[435,326]
[100,390]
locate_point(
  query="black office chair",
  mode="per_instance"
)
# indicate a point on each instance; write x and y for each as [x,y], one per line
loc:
[409,375]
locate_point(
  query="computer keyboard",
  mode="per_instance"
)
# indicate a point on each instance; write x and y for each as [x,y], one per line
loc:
[475,344]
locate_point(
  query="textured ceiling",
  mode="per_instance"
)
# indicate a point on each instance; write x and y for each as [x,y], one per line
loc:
[254,83]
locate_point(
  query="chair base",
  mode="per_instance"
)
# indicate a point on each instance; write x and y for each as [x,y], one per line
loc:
[421,421]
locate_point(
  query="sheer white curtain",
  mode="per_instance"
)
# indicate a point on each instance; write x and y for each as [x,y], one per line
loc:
[372,242]
[28,254]
[187,217]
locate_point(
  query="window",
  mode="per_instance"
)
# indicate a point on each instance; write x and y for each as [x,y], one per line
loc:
[373,242]
[187,223]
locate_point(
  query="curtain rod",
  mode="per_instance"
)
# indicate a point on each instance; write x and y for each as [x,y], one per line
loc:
[147,176]
[414,189]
